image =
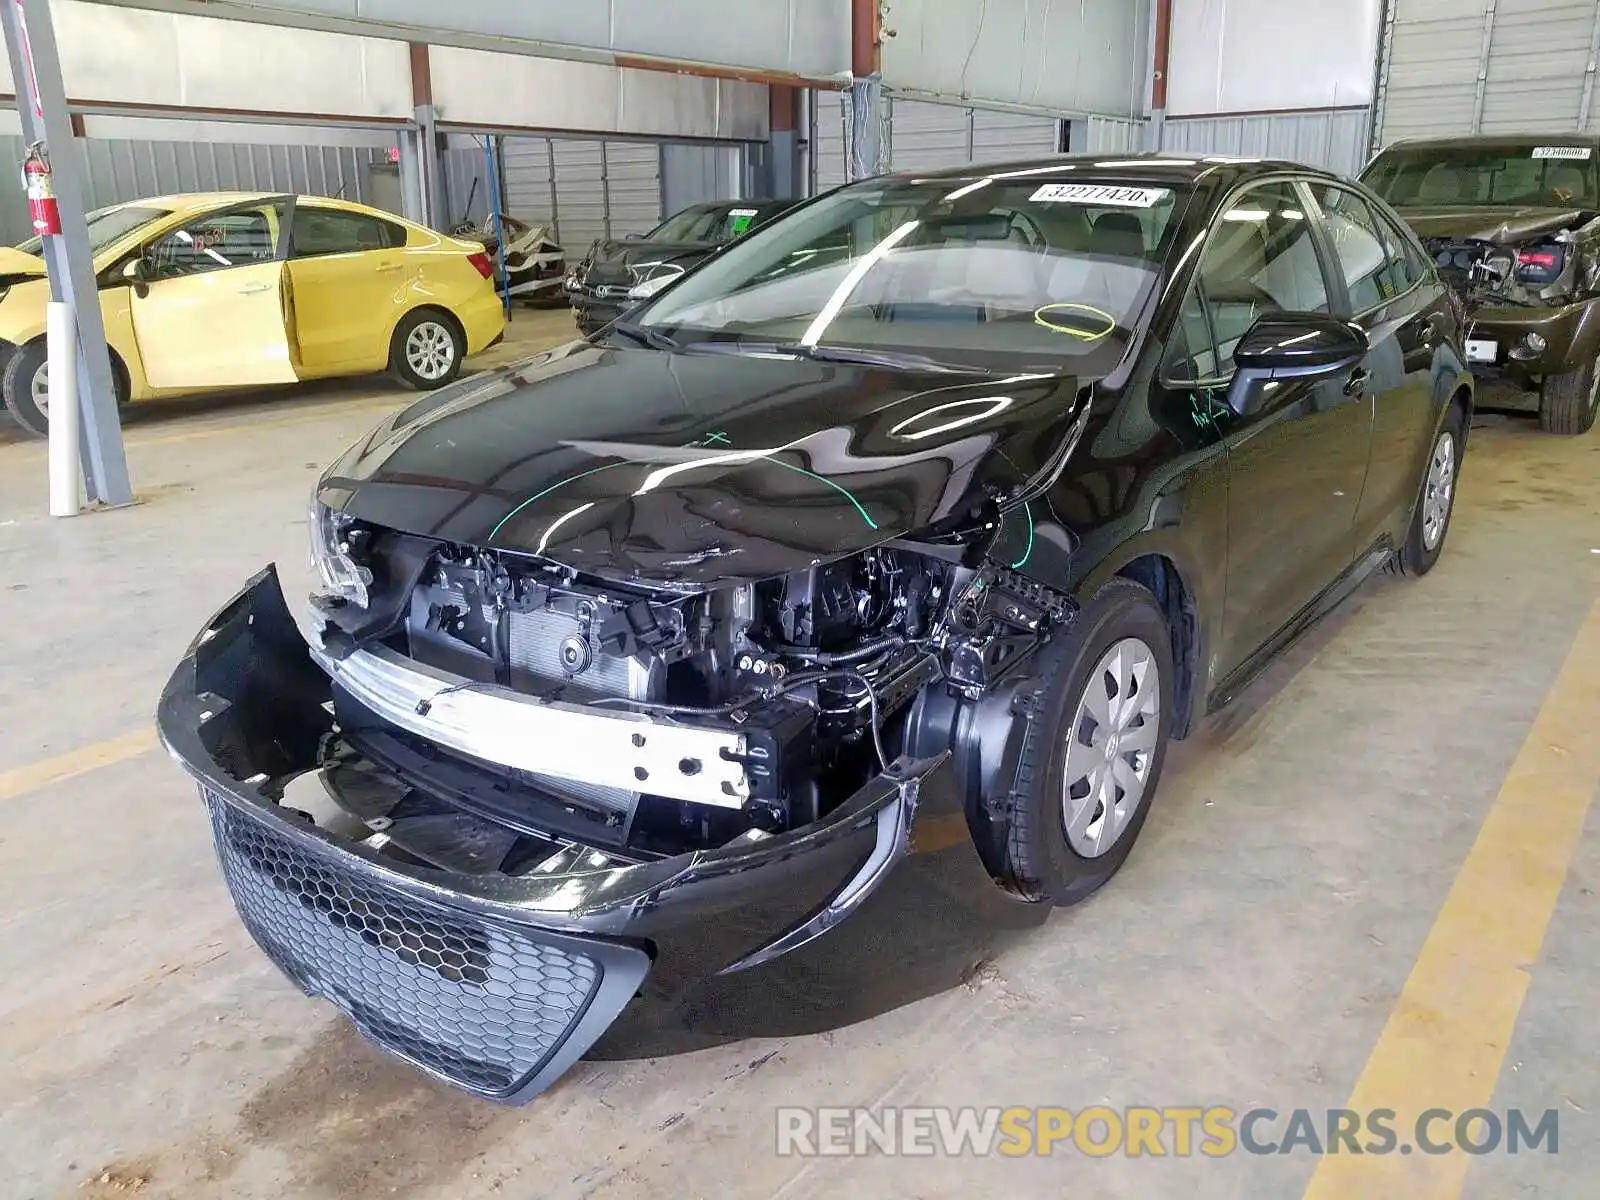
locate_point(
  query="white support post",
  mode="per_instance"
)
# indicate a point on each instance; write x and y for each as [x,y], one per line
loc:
[61,359]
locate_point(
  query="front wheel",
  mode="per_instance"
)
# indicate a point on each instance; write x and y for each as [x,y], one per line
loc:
[25,387]
[1092,754]
[1568,402]
[427,350]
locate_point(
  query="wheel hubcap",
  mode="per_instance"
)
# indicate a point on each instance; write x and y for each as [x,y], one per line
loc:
[40,390]
[430,350]
[1441,490]
[1111,746]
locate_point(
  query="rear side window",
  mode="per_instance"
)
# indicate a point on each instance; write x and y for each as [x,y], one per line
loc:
[1369,255]
[319,231]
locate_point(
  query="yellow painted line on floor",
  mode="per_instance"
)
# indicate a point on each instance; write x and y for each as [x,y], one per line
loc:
[1447,1036]
[33,776]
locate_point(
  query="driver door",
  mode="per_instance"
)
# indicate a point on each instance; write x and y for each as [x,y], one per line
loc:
[1297,449]
[210,307]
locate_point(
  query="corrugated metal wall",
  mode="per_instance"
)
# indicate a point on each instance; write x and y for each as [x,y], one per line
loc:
[1336,140]
[698,174]
[115,169]
[924,136]
[1471,66]
[1109,135]
[601,189]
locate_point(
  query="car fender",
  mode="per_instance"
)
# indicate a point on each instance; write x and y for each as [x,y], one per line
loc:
[1203,594]
[1584,345]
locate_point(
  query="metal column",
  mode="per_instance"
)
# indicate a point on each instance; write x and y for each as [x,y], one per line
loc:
[1483,67]
[434,202]
[412,206]
[42,107]
[1588,74]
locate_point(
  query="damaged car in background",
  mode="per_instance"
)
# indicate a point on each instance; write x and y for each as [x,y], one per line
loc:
[1513,224]
[895,542]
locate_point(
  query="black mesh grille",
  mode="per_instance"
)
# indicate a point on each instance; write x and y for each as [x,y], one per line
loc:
[480,1003]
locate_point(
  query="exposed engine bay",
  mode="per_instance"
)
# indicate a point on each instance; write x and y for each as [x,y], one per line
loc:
[1548,263]
[815,671]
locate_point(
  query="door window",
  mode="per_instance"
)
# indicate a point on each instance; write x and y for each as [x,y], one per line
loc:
[215,242]
[1259,258]
[318,231]
[1372,262]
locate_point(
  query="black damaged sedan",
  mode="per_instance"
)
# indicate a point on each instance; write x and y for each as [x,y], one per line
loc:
[879,559]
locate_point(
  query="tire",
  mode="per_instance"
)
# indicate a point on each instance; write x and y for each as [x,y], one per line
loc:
[1430,523]
[22,387]
[1568,402]
[1054,846]
[427,350]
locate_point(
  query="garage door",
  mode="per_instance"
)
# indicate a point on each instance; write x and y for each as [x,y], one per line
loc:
[925,137]
[1533,56]
[600,189]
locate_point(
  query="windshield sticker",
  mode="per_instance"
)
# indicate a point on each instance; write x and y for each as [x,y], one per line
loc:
[1581,152]
[1106,195]
[743,218]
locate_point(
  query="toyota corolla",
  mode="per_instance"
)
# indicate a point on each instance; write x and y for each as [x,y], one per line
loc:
[902,536]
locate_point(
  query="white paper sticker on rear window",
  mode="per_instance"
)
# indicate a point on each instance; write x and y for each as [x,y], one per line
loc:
[1103,194]
[1583,152]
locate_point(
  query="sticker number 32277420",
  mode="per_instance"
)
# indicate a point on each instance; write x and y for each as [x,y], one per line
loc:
[1103,195]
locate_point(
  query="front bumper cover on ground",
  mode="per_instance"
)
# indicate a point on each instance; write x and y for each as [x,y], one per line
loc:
[498,983]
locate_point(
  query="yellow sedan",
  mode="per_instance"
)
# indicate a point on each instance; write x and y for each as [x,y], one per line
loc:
[225,290]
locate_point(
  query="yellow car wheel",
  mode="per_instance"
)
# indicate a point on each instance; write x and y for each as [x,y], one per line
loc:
[26,387]
[427,349]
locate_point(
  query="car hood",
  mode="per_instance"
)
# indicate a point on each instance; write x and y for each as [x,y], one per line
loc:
[17,264]
[1499,223]
[684,469]
[618,259]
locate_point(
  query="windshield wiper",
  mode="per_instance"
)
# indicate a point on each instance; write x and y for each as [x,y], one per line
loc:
[859,356]
[646,336]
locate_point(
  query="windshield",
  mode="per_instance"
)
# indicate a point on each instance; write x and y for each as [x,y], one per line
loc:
[107,226]
[705,224]
[1543,175]
[1001,265]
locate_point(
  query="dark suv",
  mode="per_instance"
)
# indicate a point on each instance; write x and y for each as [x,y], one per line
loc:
[1512,224]
[617,274]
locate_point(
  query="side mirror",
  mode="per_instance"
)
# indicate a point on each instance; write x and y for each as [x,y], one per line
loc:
[1290,345]
[632,237]
[133,271]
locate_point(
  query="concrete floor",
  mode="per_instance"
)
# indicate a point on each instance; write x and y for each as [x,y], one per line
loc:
[1250,953]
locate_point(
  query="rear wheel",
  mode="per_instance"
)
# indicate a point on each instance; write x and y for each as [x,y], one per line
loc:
[1092,755]
[427,350]
[1431,521]
[1568,402]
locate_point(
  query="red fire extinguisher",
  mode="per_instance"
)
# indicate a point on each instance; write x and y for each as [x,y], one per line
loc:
[42,207]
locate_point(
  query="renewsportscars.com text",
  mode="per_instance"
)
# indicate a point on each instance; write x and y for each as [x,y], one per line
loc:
[1152,1132]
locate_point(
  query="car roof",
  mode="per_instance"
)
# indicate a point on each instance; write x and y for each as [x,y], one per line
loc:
[1132,168]
[186,201]
[1495,141]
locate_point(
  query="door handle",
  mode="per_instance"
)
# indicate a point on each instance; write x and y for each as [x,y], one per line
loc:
[251,289]
[1356,385]
[389,267]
